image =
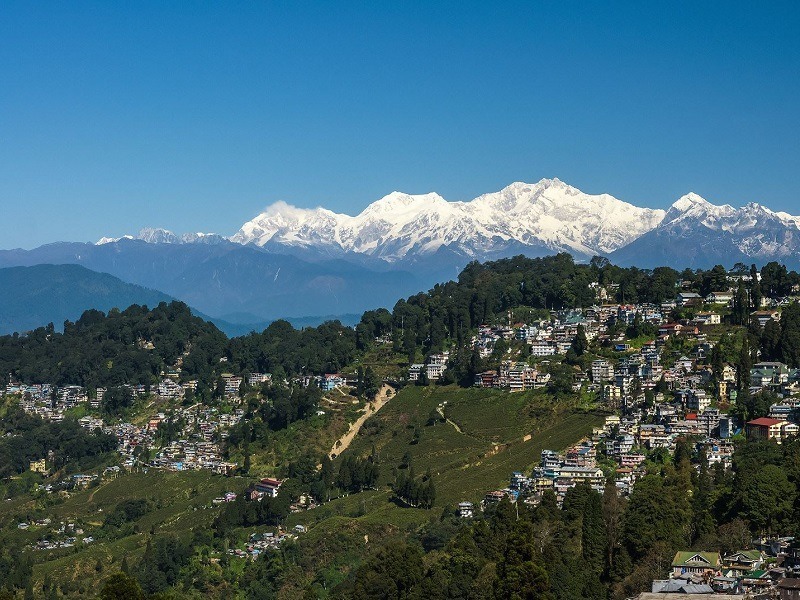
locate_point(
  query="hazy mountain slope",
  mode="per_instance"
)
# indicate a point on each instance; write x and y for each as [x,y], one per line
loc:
[230,280]
[42,294]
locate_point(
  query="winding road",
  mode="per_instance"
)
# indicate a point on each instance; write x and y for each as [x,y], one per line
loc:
[381,398]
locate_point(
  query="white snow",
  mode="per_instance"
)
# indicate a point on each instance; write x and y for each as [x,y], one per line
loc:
[549,213]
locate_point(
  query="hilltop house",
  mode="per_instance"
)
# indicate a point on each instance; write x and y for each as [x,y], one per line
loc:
[764,374]
[720,298]
[700,563]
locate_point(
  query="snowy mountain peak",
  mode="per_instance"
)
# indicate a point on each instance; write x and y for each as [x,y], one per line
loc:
[157,236]
[531,218]
[548,215]
[394,204]
[165,236]
[690,201]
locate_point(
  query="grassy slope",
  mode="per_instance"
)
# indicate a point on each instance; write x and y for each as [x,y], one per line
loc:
[489,447]
[466,464]
[181,504]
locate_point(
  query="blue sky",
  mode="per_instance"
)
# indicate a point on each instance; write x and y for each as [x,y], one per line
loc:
[196,115]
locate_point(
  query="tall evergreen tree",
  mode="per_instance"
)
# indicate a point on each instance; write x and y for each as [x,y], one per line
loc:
[790,335]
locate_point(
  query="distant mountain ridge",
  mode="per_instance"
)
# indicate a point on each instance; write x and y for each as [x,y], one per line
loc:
[696,233]
[291,262]
[549,216]
[42,294]
[38,295]
[235,283]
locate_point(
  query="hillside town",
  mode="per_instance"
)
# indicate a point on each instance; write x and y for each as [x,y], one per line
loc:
[661,397]
[657,370]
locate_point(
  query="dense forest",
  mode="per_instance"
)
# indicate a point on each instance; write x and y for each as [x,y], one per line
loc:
[136,345]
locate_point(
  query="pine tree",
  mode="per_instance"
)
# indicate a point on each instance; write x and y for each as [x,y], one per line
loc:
[741,305]
[756,290]
[743,366]
[790,335]
[593,534]
[430,493]
[580,344]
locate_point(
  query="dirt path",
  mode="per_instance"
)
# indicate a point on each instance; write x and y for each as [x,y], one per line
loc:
[440,410]
[383,396]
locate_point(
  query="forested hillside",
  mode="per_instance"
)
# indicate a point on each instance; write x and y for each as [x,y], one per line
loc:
[376,517]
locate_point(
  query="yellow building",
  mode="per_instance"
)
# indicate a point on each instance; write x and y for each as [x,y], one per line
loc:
[39,466]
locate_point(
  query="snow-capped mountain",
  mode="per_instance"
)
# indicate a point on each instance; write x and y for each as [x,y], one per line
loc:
[165,236]
[437,235]
[549,215]
[696,233]
[295,262]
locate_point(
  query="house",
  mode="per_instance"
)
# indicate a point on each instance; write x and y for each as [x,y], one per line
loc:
[766,428]
[268,487]
[521,377]
[602,370]
[487,379]
[789,588]
[167,388]
[331,381]
[232,384]
[697,400]
[685,588]
[742,562]
[543,348]
[256,379]
[709,420]
[466,510]
[434,371]
[688,299]
[689,562]
[414,371]
[729,373]
[764,374]
[670,329]
[762,317]
[39,466]
[685,364]
[708,318]
[719,298]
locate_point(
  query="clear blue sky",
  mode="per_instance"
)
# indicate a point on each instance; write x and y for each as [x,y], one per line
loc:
[196,115]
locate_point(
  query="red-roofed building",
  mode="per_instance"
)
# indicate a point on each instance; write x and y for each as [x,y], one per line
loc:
[268,487]
[767,428]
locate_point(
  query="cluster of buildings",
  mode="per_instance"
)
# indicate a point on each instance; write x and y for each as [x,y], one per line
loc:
[198,444]
[660,399]
[66,535]
[258,543]
[771,569]
[514,376]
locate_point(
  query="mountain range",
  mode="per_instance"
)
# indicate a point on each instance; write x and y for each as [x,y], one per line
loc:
[294,262]
[542,218]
